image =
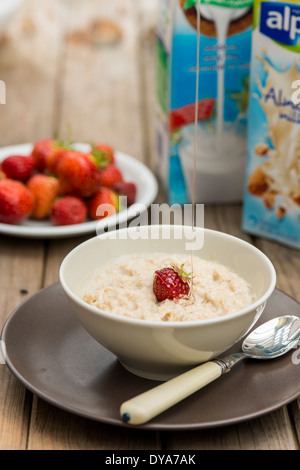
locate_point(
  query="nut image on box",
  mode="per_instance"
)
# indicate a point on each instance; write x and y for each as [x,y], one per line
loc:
[223,73]
[272,183]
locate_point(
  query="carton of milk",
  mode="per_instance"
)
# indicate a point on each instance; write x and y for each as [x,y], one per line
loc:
[272,183]
[224,62]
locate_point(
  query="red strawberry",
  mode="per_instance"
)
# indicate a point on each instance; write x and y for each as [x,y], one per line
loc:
[78,173]
[18,167]
[68,210]
[46,153]
[16,201]
[52,159]
[45,189]
[104,203]
[111,175]
[171,283]
[128,189]
[104,154]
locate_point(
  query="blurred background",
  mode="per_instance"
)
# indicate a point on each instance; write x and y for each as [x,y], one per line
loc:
[82,65]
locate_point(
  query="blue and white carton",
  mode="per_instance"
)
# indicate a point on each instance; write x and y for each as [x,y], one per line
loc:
[272,184]
[223,73]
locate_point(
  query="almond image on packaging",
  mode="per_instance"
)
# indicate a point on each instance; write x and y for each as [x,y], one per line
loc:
[272,190]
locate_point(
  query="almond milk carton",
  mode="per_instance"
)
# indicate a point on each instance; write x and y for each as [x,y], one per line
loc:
[221,62]
[272,184]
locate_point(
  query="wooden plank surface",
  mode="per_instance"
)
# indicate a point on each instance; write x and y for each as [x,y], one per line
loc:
[100,81]
[273,432]
[90,66]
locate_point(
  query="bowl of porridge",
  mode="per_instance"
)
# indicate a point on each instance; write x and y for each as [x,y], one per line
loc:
[165,298]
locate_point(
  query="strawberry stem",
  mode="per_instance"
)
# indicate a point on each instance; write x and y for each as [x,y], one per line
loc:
[186,277]
[100,158]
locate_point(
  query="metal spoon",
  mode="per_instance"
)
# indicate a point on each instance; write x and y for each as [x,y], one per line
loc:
[272,339]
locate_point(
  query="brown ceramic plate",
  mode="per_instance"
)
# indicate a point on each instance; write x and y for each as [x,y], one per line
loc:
[54,357]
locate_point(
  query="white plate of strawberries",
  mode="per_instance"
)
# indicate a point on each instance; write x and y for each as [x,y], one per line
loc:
[52,189]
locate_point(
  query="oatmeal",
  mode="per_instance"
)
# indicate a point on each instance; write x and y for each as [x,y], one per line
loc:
[125,287]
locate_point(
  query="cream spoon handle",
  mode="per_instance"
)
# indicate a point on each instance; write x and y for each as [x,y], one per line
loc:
[143,407]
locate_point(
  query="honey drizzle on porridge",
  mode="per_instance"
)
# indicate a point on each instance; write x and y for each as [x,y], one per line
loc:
[195,143]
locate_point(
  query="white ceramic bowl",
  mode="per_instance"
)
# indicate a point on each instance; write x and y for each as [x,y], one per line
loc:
[7,10]
[161,350]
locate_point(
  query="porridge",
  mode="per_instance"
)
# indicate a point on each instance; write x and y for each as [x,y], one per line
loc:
[125,287]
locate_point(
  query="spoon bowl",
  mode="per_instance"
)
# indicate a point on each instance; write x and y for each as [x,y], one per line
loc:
[270,340]
[273,338]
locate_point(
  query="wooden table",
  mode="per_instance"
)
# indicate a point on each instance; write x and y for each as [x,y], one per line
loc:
[90,64]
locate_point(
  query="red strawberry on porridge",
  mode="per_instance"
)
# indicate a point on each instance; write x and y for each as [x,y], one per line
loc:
[171,283]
